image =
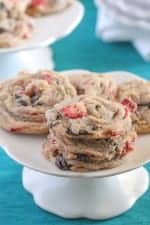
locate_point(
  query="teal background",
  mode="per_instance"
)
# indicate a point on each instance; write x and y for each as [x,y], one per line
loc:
[83,50]
[80,50]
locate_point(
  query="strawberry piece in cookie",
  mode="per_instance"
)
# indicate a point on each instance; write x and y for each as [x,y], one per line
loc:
[47,76]
[74,111]
[127,148]
[129,144]
[35,3]
[131,105]
[15,130]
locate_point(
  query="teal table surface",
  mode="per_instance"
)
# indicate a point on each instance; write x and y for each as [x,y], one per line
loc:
[80,50]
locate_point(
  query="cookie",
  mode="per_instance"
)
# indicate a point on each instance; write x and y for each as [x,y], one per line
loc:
[94,84]
[25,99]
[17,4]
[15,25]
[137,91]
[46,7]
[88,133]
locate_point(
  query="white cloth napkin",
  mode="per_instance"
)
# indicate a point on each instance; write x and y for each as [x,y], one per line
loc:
[110,29]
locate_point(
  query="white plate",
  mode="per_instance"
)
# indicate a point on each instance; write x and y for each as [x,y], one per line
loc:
[26,150]
[51,28]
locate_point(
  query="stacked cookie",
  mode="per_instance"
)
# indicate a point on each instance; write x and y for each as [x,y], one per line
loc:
[88,133]
[90,121]
[15,24]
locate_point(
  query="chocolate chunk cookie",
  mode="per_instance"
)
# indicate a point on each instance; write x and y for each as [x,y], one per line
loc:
[25,99]
[88,133]
[94,84]
[137,91]
[15,25]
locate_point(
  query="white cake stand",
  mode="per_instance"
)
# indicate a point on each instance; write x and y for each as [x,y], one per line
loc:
[34,54]
[96,195]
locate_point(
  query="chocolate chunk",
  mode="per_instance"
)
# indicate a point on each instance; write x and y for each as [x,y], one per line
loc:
[58,117]
[2,30]
[61,162]
[2,6]
[97,107]
[22,102]
[17,96]
[94,127]
[34,98]
[68,131]
[80,91]
[145,104]
[83,158]
[39,103]
[55,122]
[81,132]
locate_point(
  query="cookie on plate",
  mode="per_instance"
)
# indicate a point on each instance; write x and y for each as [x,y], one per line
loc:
[94,84]
[19,5]
[25,99]
[15,25]
[139,92]
[88,133]
[46,7]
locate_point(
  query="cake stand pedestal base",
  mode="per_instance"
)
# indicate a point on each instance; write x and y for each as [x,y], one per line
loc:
[31,60]
[94,198]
